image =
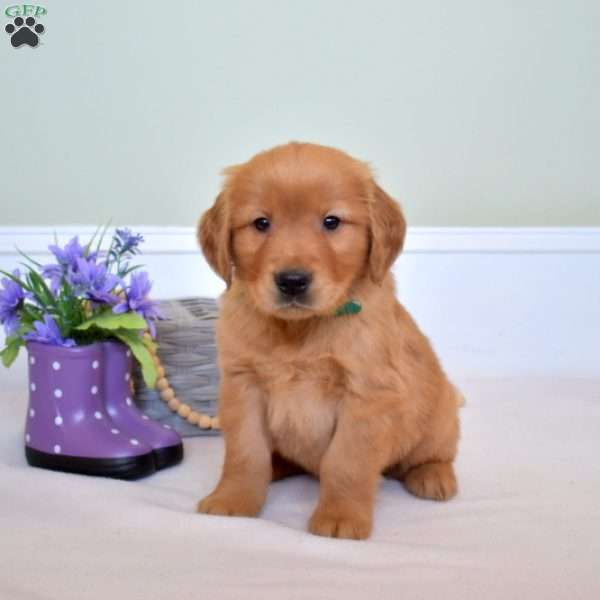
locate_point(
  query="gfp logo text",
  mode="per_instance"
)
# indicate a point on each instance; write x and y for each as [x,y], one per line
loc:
[25,10]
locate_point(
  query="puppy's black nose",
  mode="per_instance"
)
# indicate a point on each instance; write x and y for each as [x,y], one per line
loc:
[292,283]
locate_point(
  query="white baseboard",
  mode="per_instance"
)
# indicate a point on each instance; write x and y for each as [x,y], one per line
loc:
[494,301]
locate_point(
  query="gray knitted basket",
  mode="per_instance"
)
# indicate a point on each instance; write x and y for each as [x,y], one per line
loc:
[187,350]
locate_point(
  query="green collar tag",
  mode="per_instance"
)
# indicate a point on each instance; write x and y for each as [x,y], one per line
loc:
[352,307]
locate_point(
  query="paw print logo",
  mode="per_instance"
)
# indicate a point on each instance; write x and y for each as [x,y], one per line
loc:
[24,32]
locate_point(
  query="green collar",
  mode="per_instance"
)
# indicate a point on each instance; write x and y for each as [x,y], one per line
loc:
[352,307]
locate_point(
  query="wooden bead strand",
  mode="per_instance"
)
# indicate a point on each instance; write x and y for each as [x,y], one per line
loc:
[185,411]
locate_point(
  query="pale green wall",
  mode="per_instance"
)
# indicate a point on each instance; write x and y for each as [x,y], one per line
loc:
[473,113]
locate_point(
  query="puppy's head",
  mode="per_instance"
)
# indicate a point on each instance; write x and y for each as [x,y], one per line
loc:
[298,226]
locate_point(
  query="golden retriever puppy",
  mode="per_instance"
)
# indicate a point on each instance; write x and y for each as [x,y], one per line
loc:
[322,370]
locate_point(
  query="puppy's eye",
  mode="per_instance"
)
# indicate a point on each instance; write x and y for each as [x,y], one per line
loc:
[331,222]
[262,224]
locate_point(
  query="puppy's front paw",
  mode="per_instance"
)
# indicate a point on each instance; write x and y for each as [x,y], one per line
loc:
[229,504]
[338,524]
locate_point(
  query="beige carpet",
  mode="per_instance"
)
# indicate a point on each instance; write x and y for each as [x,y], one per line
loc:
[526,523]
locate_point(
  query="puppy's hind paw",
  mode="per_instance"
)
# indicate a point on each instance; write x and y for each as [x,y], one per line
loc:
[435,481]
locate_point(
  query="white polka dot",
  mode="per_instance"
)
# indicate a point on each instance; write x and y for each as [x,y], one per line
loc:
[128,353]
[57,449]
[27,438]
[145,417]
[98,414]
[134,442]
[58,420]
[56,365]
[32,413]
[33,387]
[127,376]
[167,426]
[128,401]
[115,431]
[94,389]
[32,360]
[95,364]
[58,393]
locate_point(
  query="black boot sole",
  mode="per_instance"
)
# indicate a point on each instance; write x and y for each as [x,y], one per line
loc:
[168,457]
[130,467]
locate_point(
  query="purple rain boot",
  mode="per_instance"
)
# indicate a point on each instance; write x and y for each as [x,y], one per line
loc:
[165,442]
[66,427]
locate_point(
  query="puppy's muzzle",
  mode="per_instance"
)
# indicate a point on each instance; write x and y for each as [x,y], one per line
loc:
[292,284]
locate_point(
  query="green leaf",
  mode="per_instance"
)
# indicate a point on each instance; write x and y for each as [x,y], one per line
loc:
[70,309]
[110,320]
[141,353]
[40,289]
[109,261]
[25,256]
[10,353]
[16,280]
[101,238]
[130,270]
[31,313]
[88,246]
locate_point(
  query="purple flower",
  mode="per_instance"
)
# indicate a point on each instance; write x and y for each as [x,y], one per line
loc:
[48,333]
[127,242]
[137,300]
[68,255]
[93,281]
[66,258]
[12,297]
[55,274]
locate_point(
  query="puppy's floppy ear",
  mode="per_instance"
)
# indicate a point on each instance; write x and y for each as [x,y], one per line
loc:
[388,229]
[214,236]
